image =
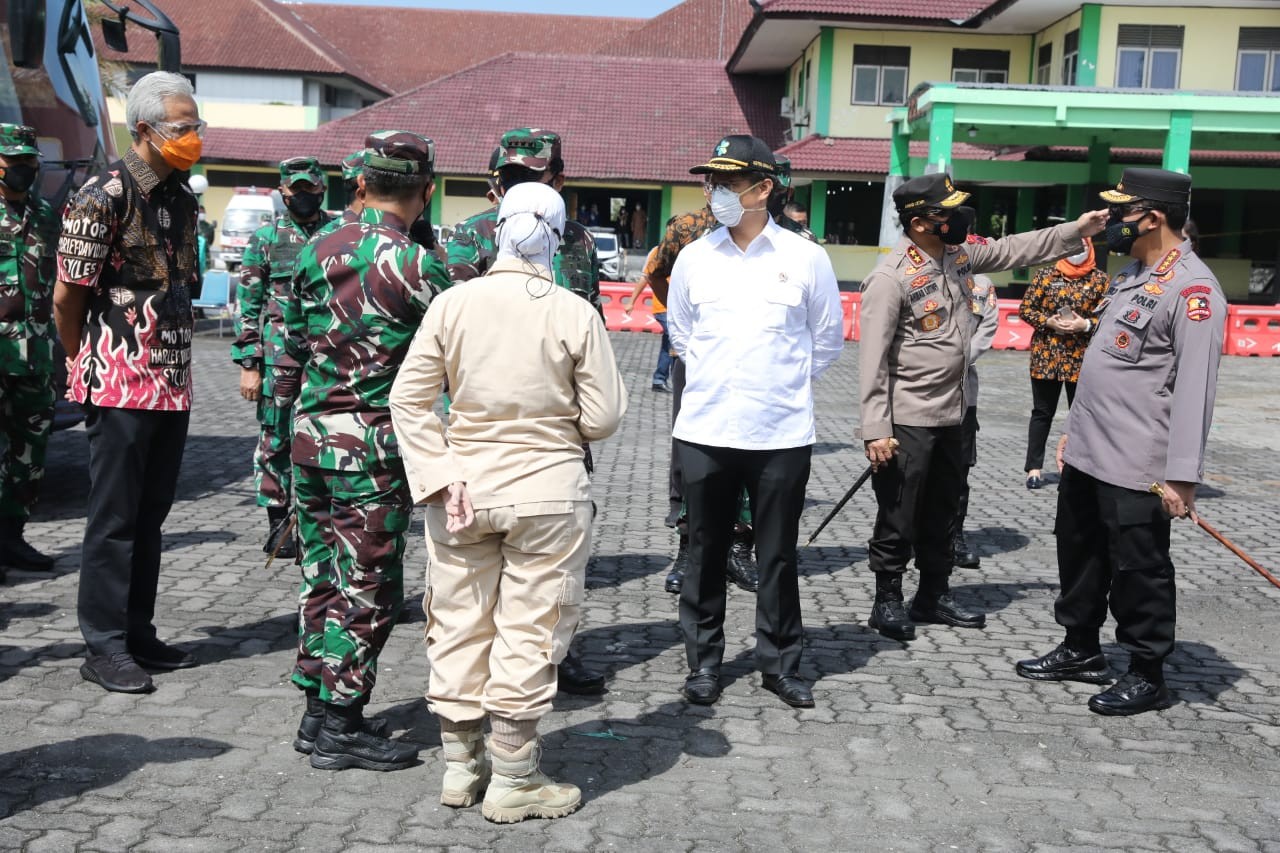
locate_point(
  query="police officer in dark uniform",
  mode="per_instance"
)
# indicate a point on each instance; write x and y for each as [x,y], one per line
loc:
[1141,416]
[917,327]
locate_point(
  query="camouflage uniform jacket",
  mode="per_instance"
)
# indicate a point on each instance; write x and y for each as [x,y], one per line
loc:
[360,293]
[26,288]
[681,230]
[266,277]
[474,246]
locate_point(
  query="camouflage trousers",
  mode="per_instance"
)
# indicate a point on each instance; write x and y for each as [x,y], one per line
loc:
[352,525]
[272,467]
[26,417]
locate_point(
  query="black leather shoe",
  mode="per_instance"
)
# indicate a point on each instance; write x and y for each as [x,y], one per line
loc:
[313,719]
[17,553]
[944,610]
[675,578]
[889,617]
[1066,664]
[116,672]
[790,689]
[1132,694]
[741,568]
[661,389]
[703,686]
[965,558]
[340,750]
[157,655]
[572,676]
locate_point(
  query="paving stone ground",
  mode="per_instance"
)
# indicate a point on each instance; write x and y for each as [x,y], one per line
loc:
[935,745]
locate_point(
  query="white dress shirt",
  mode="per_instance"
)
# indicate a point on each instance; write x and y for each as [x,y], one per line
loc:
[754,328]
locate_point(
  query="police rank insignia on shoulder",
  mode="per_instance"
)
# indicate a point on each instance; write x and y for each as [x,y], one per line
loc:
[920,281]
[1153,288]
[930,322]
[1198,308]
[913,255]
[1167,263]
[1122,340]
[1166,277]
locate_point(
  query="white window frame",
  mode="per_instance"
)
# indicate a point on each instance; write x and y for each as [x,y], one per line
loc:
[1271,58]
[879,70]
[980,75]
[1146,64]
[1070,61]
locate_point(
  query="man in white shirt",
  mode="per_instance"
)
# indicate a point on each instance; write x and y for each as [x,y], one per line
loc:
[754,312]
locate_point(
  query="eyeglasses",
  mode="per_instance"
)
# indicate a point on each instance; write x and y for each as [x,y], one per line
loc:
[174,129]
[1120,211]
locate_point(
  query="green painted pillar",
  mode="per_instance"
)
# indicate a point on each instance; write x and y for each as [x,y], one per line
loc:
[826,58]
[1075,201]
[664,206]
[1177,144]
[942,125]
[437,202]
[818,210]
[1090,35]
[1232,224]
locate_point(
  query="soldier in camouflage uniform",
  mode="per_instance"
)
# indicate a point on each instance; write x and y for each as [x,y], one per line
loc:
[781,197]
[352,165]
[28,230]
[360,292]
[268,375]
[528,154]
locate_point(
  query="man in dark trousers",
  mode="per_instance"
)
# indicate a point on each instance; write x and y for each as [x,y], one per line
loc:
[1149,377]
[917,328]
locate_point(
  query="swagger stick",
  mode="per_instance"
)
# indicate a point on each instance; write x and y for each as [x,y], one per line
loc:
[1231,546]
[284,537]
[893,442]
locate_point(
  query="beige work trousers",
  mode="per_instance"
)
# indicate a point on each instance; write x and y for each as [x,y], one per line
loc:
[503,599]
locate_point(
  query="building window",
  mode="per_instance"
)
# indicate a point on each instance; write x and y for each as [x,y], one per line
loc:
[1070,57]
[1044,65]
[1149,57]
[979,66]
[1258,60]
[880,74]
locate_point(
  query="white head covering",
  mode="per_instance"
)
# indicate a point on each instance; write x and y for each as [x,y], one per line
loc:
[530,223]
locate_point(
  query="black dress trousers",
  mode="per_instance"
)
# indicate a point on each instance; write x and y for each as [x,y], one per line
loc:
[1115,540]
[775,481]
[918,493]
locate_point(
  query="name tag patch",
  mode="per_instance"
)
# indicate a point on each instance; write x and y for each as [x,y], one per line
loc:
[917,295]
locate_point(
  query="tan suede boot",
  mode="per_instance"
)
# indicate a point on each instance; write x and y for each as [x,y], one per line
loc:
[519,790]
[466,769]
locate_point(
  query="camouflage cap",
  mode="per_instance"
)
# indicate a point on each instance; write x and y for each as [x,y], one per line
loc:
[400,151]
[301,169]
[17,140]
[783,165]
[529,147]
[353,165]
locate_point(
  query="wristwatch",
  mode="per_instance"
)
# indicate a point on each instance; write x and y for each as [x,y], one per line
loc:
[249,363]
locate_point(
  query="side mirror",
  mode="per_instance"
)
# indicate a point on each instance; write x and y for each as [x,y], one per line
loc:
[113,33]
[168,52]
[26,33]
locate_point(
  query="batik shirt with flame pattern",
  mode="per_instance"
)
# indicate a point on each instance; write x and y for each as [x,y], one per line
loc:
[131,238]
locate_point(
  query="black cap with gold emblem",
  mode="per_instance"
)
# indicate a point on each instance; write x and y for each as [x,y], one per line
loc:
[1150,185]
[928,191]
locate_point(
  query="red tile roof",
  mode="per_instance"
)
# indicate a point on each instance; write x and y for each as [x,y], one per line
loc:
[408,46]
[695,29]
[262,35]
[938,10]
[865,156]
[621,118]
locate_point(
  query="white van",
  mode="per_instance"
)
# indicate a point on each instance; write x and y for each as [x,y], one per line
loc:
[249,209]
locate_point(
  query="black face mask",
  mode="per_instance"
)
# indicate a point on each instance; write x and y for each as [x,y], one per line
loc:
[20,177]
[1121,235]
[423,234]
[954,231]
[303,205]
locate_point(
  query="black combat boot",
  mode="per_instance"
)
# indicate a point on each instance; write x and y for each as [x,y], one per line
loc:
[280,536]
[963,557]
[573,676]
[16,553]
[933,603]
[313,719]
[344,742]
[888,612]
[741,568]
[675,578]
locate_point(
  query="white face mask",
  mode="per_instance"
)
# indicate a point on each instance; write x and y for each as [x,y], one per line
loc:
[726,205]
